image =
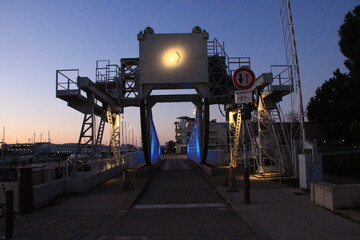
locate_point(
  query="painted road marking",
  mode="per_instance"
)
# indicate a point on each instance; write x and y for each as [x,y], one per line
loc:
[190,205]
[123,238]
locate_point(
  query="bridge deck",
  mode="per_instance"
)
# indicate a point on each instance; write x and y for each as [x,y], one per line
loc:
[179,204]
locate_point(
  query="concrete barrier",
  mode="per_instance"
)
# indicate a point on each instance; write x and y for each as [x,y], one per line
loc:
[215,170]
[46,192]
[52,182]
[84,182]
[134,158]
[335,196]
[217,157]
[79,181]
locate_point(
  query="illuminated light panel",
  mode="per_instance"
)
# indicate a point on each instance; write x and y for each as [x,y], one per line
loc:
[174,57]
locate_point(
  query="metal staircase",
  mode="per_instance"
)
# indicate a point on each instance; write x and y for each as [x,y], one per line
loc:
[254,158]
[275,152]
[100,134]
[282,138]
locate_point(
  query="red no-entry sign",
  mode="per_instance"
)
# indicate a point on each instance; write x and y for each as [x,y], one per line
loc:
[243,78]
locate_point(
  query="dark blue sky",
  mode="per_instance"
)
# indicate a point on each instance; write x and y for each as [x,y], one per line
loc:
[39,37]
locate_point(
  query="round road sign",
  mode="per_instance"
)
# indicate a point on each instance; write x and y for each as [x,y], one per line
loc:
[243,78]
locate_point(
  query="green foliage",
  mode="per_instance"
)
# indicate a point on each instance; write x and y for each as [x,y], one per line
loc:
[335,109]
[347,164]
[350,41]
[328,110]
[171,147]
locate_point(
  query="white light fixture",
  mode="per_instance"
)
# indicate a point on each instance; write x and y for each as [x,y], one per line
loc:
[174,57]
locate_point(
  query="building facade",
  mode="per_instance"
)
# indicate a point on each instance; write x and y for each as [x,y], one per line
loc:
[183,128]
[218,134]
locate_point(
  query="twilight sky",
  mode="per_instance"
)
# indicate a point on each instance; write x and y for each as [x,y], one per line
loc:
[39,37]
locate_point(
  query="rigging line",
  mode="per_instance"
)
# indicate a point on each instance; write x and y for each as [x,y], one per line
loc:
[221,110]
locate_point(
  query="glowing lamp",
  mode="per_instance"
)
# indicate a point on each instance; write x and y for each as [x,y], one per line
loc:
[174,57]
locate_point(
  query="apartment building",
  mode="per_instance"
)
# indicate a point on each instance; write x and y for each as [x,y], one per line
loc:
[218,134]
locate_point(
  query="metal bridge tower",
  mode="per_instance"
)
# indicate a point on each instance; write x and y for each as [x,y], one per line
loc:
[184,61]
[292,60]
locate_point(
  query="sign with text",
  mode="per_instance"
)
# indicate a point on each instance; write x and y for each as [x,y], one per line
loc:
[242,97]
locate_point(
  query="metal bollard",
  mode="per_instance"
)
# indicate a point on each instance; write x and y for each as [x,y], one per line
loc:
[246,176]
[127,185]
[231,184]
[9,214]
[26,201]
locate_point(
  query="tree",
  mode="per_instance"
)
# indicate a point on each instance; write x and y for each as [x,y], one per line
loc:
[292,116]
[335,109]
[171,147]
[350,41]
[329,109]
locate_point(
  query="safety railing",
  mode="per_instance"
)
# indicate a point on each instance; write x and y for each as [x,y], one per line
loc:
[94,167]
[155,151]
[193,147]
[215,48]
[282,74]
[106,72]
[101,69]
[233,63]
[66,79]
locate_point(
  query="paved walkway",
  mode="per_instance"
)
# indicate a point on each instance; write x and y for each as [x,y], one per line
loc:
[107,212]
[281,212]
[75,216]
[177,204]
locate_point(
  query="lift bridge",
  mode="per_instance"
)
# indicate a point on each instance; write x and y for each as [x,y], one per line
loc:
[182,61]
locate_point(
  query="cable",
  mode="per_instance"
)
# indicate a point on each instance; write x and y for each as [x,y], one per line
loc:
[221,110]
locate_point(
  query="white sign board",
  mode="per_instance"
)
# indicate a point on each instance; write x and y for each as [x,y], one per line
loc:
[244,96]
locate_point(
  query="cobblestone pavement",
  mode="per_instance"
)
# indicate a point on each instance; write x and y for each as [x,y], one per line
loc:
[177,204]
[74,216]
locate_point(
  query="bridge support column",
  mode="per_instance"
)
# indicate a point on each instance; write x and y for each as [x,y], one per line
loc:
[87,134]
[205,129]
[113,120]
[145,130]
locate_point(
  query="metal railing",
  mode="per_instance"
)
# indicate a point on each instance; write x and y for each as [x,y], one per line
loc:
[282,74]
[67,79]
[94,167]
[233,63]
[106,72]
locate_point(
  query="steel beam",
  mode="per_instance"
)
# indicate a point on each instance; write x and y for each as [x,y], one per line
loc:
[194,98]
[85,84]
